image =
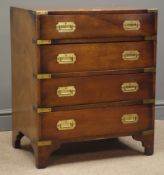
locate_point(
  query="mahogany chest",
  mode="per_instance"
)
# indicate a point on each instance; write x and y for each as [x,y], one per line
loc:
[82,75]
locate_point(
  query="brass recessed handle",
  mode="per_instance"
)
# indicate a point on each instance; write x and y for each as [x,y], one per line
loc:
[131,25]
[62,27]
[66,124]
[66,58]
[66,91]
[130,55]
[130,118]
[130,87]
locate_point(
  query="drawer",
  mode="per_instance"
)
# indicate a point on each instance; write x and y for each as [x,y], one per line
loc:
[98,122]
[96,25]
[93,89]
[94,57]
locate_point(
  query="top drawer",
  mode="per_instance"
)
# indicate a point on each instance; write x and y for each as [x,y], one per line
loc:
[96,25]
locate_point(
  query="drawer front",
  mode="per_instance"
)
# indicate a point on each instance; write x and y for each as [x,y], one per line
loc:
[96,25]
[86,123]
[93,89]
[93,57]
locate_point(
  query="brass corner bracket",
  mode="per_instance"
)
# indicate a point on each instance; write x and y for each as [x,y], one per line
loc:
[41,12]
[43,76]
[148,132]
[44,143]
[149,101]
[43,42]
[43,110]
[152,10]
[147,38]
[151,69]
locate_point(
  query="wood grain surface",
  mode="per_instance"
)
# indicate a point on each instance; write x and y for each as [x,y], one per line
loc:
[97,56]
[97,122]
[92,89]
[96,25]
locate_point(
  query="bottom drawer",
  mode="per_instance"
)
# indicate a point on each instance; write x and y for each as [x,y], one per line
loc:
[97,122]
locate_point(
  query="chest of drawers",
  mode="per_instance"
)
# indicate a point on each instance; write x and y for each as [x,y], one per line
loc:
[82,75]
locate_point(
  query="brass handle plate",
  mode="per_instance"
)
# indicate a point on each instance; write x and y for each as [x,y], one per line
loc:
[66,91]
[130,55]
[130,118]
[131,25]
[66,58]
[65,27]
[130,87]
[66,124]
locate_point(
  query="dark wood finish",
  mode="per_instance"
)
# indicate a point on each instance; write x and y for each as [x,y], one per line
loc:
[100,40]
[99,23]
[43,153]
[98,122]
[96,10]
[96,89]
[93,57]
[66,11]
[103,72]
[98,73]
[100,105]
[25,89]
[24,65]
[147,142]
